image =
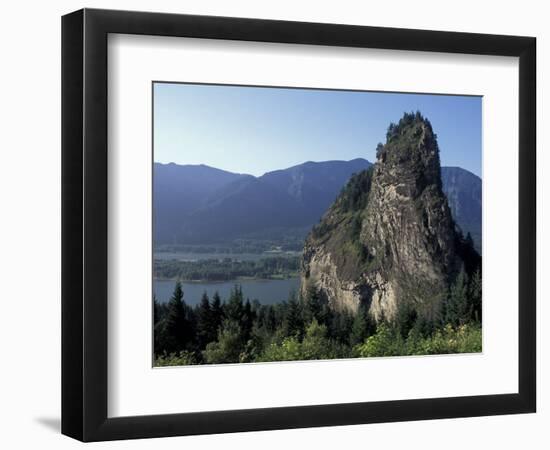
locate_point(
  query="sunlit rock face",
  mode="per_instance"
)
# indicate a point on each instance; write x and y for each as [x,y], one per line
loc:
[389,240]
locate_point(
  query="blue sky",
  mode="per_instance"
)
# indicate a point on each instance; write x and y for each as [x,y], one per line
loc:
[255,130]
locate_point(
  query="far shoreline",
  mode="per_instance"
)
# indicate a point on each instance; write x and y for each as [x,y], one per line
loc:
[236,280]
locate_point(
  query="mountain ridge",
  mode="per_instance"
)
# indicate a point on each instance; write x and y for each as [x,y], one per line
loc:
[190,201]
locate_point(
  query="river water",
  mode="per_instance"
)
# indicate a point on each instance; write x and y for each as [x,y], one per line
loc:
[265,291]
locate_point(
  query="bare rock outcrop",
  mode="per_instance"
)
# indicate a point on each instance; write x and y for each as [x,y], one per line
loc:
[389,240]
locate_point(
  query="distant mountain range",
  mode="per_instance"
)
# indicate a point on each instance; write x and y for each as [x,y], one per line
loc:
[463,191]
[198,204]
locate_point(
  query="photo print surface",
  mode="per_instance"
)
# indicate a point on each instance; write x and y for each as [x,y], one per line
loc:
[309,224]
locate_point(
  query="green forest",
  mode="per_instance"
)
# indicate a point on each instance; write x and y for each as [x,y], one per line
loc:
[237,330]
[225,269]
[287,238]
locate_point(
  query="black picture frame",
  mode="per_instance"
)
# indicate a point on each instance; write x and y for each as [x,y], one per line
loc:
[84,224]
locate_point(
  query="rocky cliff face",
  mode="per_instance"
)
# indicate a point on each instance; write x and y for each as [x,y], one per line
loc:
[389,240]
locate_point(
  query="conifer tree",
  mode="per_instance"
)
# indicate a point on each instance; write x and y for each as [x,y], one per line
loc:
[362,327]
[316,308]
[405,320]
[469,241]
[270,320]
[341,324]
[175,326]
[247,320]
[216,313]
[293,322]
[156,310]
[206,332]
[475,295]
[234,307]
[457,309]
[359,328]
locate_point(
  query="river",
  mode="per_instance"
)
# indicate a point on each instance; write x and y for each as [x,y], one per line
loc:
[265,291]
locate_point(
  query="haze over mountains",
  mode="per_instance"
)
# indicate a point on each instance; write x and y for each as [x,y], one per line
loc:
[198,204]
[463,191]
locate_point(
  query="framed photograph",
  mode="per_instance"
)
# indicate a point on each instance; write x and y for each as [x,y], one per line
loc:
[273,224]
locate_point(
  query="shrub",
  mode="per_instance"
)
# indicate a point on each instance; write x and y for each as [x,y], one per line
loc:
[183,358]
[315,345]
[388,342]
[228,347]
